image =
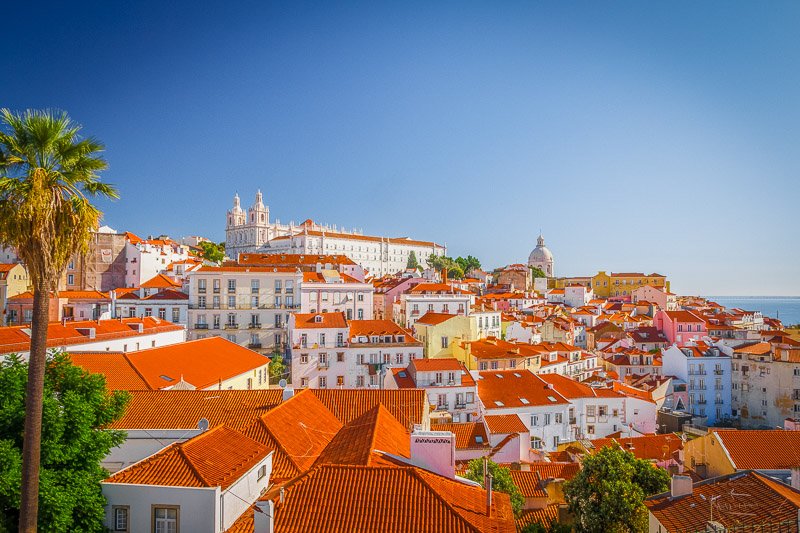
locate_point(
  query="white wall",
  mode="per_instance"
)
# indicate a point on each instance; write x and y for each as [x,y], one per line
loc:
[199,507]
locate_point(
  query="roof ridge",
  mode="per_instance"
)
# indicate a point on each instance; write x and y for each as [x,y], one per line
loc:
[415,472]
[188,460]
[133,366]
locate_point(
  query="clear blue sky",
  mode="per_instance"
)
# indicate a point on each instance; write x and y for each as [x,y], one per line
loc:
[656,136]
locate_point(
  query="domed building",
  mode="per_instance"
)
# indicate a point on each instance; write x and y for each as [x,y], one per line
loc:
[541,257]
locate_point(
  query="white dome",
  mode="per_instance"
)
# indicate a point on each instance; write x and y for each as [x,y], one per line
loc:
[541,257]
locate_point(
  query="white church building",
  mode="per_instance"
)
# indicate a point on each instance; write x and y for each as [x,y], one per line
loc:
[252,231]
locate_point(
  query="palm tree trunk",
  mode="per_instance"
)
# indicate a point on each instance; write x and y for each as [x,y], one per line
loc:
[31,446]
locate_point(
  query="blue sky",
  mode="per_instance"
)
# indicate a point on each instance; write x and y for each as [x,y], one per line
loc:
[638,136]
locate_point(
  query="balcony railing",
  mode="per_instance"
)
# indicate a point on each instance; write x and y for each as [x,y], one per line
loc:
[461,405]
[718,371]
[254,325]
[323,364]
[231,326]
[216,290]
[254,345]
[442,407]
[201,326]
[719,402]
[702,402]
[201,290]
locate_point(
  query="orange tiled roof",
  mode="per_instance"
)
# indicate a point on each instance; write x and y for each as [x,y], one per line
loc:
[160,281]
[202,363]
[215,458]
[505,424]
[538,516]
[378,327]
[306,260]
[570,388]
[436,364]
[319,320]
[335,498]
[182,409]
[741,499]
[555,470]
[15,339]
[118,371]
[650,447]
[357,442]
[761,449]
[438,288]
[432,319]
[501,389]
[167,294]
[407,406]
[469,435]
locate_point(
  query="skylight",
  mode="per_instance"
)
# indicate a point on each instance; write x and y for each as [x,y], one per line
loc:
[402,374]
[552,399]
[478,439]
[517,375]
[524,401]
[166,378]
[498,403]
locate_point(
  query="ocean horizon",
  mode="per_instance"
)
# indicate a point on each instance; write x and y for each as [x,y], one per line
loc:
[785,308]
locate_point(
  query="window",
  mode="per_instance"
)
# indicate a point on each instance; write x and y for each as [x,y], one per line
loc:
[162,313]
[165,519]
[231,285]
[176,314]
[148,311]
[361,314]
[304,382]
[231,302]
[340,381]
[534,420]
[559,418]
[445,342]
[303,358]
[278,286]
[70,279]
[398,359]
[121,521]
[323,382]
[547,419]
[359,381]
[254,286]
[262,472]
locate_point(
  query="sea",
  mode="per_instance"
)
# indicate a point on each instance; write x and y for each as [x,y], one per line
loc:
[786,308]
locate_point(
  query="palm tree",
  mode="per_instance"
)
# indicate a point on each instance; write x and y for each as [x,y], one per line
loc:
[47,176]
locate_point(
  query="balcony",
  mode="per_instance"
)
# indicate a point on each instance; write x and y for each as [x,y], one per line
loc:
[442,407]
[718,371]
[216,290]
[231,326]
[461,405]
[201,290]
[201,326]
[718,402]
[323,364]
[254,325]
[702,402]
[254,345]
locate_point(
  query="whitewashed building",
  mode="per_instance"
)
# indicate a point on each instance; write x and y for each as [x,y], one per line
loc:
[329,351]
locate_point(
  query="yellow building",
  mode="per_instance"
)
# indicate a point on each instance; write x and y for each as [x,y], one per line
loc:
[562,283]
[496,354]
[13,281]
[624,283]
[438,332]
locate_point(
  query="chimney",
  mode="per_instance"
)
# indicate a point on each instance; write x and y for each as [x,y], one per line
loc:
[288,392]
[263,517]
[681,486]
[434,451]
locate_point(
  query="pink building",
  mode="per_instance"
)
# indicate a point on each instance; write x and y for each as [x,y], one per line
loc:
[657,295]
[680,327]
[387,293]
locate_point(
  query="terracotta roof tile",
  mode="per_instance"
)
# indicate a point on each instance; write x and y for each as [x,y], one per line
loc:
[319,320]
[501,424]
[431,319]
[538,516]
[118,371]
[407,406]
[357,441]
[767,449]
[202,363]
[741,499]
[335,498]
[182,409]
[515,388]
[469,435]
[215,458]
[160,281]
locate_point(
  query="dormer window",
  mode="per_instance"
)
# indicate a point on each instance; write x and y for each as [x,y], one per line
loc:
[318,319]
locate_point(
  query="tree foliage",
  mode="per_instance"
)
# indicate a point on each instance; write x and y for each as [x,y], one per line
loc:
[277,367]
[412,262]
[537,272]
[76,408]
[501,481]
[213,252]
[468,263]
[454,268]
[607,494]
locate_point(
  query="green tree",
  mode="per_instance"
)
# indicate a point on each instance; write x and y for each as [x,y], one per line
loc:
[48,174]
[412,261]
[277,367]
[213,252]
[607,494]
[537,272]
[501,481]
[468,263]
[76,408]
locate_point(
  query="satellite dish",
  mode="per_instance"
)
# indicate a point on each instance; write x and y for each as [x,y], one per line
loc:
[282,384]
[202,424]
